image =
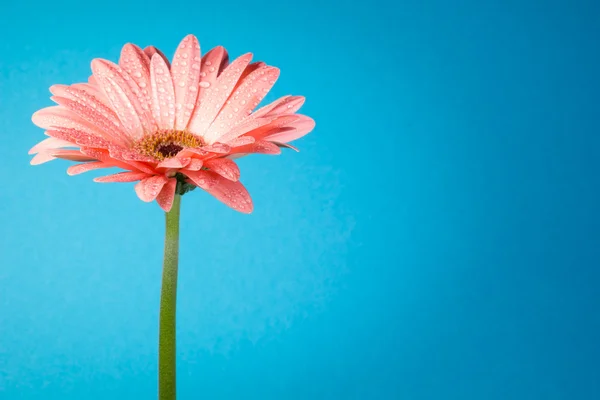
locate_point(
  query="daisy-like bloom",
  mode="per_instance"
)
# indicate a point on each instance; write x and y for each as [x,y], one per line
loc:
[170,126]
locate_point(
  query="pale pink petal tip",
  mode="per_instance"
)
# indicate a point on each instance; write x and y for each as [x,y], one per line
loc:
[41,158]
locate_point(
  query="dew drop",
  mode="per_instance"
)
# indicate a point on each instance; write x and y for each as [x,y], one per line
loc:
[204,84]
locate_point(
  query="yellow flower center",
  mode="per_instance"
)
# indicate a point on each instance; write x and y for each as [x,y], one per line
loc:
[167,143]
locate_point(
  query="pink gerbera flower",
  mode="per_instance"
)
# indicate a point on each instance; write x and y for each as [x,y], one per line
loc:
[171,127]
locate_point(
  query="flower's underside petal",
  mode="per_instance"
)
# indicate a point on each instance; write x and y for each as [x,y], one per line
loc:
[163,93]
[224,167]
[216,95]
[122,177]
[185,72]
[195,164]
[89,166]
[175,162]
[233,194]
[149,188]
[167,194]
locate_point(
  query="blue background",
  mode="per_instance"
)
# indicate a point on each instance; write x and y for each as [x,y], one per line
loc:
[436,238]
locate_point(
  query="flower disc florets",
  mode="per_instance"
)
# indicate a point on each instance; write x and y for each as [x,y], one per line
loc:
[165,143]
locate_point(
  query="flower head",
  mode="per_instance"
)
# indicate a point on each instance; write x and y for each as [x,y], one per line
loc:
[170,126]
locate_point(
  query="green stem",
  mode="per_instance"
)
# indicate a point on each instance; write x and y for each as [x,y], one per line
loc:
[168,302]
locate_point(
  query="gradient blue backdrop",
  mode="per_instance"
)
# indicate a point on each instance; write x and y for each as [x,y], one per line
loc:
[436,238]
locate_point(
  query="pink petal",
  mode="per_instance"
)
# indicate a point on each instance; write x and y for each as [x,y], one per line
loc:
[93,90]
[241,141]
[216,95]
[122,162]
[122,177]
[125,154]
[191,152]
[78,137]
[249,69]
[85,98]
[122,95]
[242,101]
[185,71]
[213,63]
[265,109]
[71,155]
[89,166]
[287,146]
[151,51]
[174,162]
[149,188]
[137,64]
[298,129]
[260,147]
[259,127]
[167,194]
[224,167]
[194,165]
[163,93]
[41,158]
[50,143]
[58,116]
[264,147]
[96,117]
[219,148]
[234,194]
[285,105]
